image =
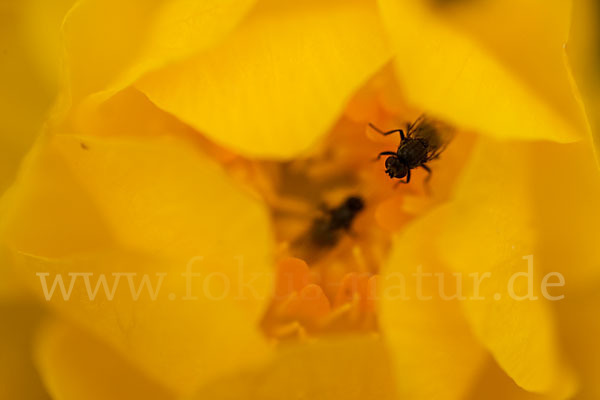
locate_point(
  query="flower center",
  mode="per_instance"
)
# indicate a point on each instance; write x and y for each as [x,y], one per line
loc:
[334,212]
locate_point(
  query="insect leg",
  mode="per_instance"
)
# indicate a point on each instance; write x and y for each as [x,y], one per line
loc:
[385,153]
[403,182]
[388,132]
[426,168]
[426,184]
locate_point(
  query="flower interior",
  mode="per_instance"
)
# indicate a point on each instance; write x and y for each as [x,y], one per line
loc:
[324,288]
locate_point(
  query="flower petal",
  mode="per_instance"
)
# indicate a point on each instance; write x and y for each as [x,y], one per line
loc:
[490,66]
[427,335]
[491,229]
[18,377]
[584,59]
[494,384]
[105,206]
[569,218]
[75,366]
[11,286]
[29,61]
[352,368]
[280,81]
[580,324]
[566,186]
[110,43]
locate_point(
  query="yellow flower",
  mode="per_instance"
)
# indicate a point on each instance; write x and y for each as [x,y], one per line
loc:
[190,146]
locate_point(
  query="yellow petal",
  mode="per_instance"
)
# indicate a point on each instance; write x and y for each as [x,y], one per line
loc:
[566,186]
[18,377]
[352,368]
[582,49]
[130,113]
[110,43]
[28,75]
[89,204]
[492,66]
[494,384]
[567,209]
[12,287]
[40,27]
[280,81]
[580,325]
[75,366]
[427,335]
[490,229]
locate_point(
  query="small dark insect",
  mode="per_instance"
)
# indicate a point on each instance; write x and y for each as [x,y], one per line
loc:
[326,230]
[422,143]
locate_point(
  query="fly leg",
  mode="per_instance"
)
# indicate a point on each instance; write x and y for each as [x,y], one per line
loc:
[388,132]
[403,182]
[385,153]
[426,168]
[427,178]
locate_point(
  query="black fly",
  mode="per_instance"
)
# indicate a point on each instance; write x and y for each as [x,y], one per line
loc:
[422,143]
[325,231]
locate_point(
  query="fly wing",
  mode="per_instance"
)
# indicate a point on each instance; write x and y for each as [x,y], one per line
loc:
[437,133]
